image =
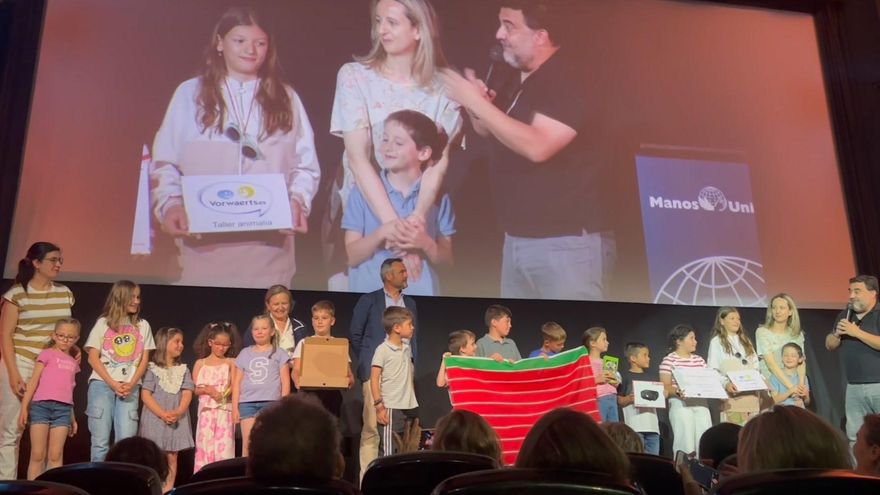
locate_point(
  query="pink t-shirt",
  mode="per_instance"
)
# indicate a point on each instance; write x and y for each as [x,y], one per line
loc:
[602,389]
[58,377]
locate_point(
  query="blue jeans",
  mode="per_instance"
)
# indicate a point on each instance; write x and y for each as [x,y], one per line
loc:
[50,412]
[861,399]
[608,408]
[651,441]
[573,267]
[105,411]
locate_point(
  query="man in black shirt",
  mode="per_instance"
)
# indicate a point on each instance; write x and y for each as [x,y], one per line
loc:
[542,176]
[858,337]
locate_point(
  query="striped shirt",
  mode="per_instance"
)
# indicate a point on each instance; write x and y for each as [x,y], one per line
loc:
[37,313]
[673,361]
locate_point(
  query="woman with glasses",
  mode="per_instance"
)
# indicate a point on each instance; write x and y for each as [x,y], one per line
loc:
[399,73]
[237,118]
[27,319]
[730,349]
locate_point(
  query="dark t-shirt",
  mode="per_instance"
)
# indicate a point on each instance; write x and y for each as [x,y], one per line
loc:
[557,197]
[627,377]
[861,363]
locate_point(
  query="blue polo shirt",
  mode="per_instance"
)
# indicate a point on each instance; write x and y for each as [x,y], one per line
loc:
[440,221]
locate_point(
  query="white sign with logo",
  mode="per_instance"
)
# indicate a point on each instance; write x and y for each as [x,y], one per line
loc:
[236,203]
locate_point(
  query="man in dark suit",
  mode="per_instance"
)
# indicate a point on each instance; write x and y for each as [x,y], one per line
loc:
[367,332]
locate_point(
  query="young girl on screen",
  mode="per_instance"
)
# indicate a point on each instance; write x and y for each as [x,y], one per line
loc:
[398,73]
[730,349]
[119,348]
[167,393]
[216,348]
[262,377]
[48,402]
[689,417]
[236,118]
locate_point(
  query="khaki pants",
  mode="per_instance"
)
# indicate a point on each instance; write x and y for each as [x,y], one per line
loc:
[369,448]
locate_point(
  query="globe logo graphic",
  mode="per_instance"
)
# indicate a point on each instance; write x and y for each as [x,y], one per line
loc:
[712,199]
[246,191]
[715,281]
[224,194]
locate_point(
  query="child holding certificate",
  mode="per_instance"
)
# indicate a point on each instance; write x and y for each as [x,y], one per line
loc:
[731,350]
[236,118]
[689,417]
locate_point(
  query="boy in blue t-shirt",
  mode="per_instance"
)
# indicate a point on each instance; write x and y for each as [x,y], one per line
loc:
[410,141]
[553,336]
[792,357]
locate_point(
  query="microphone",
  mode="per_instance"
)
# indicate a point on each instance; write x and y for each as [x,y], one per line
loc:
[849,309]
[496,54]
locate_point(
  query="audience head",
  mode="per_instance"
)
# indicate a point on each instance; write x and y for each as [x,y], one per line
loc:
[568,439]
[790,437]
[625,437]
[465,431]
[553,336]
[719,442]
[308,446]
[867,447]
[140,451]
[462,343]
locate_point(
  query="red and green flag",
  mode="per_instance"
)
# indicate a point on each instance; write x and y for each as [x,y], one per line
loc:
[513,396]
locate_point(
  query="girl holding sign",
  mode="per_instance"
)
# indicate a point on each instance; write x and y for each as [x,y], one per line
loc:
[731,350]
[689,417]
[237,119]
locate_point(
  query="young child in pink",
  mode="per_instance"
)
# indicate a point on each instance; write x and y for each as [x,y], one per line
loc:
[48,402]
[216,347]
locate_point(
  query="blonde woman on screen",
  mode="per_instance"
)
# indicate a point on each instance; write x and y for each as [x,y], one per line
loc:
[398,73]
[237,117]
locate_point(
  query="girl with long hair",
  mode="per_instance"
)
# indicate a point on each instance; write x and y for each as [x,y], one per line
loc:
[237,118]
[731,349]
[119,348]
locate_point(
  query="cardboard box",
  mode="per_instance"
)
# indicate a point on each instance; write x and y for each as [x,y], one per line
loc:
[325,363]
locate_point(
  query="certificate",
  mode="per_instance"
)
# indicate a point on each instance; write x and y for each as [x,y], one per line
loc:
[747,380]
[648,394]
[699,383]
[236,203]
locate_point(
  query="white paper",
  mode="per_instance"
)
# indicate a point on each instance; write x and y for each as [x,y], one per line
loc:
[141,235]
[699,383]
[640,386]
[236,203]
[747,380]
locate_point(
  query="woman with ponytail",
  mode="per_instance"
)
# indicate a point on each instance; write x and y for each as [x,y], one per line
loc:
[28,312]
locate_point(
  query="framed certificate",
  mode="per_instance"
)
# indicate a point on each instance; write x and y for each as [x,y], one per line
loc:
[699,383]
[747,380]
[236,203]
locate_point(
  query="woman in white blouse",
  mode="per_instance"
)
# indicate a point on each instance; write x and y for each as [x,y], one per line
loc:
[782,325]
[237,117]
[730,349]
[398,73]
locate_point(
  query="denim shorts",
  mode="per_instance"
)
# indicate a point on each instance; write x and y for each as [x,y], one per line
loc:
[252,409]
[50,412]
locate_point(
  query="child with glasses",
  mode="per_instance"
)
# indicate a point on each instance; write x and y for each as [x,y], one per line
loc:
[216,348]
[48,401]
[730,349]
